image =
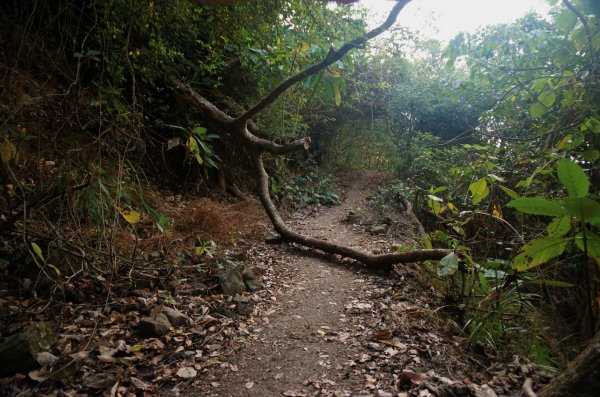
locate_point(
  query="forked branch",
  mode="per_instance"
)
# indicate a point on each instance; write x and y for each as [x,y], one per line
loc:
[256,147]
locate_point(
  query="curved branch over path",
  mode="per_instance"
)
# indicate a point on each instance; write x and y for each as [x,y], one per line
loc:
[384,261]
[239,128]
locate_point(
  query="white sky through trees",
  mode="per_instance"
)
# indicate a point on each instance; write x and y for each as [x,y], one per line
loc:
[443,19]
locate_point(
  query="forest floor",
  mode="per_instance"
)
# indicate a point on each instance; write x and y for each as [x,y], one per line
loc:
[332,328]
[321,326]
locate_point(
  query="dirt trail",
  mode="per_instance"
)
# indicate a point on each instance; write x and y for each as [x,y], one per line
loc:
[309,343]
[324,326]
[303,345]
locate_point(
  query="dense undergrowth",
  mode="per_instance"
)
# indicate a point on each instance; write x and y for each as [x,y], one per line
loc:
[494,139]
[92,137]
[515,194]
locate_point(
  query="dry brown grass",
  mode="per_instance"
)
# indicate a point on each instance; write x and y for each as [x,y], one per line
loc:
[205,219]
[219,221]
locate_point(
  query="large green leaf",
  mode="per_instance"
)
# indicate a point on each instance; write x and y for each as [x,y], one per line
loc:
[449,265]
[573,178]
[193,148]
[8,151]
[539,251]
[537,206]
[547,98]
[311,81]
[575,142]
[582,208]
[510,192]
[479,189]
[437,189]
[537,110]
[591,155]
[539,85]
[38,251]
[568,139]
[592,241]
[434,204]
[559,226]
[566,21]
[337,94]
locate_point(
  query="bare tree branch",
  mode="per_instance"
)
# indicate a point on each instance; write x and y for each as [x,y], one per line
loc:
[226,122]
[207,108]
[239,128]
[332,56]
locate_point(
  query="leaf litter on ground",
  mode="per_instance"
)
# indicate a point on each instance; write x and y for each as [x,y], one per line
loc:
[389,338]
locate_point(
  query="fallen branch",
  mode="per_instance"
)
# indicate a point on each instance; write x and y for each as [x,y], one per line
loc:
[383,261]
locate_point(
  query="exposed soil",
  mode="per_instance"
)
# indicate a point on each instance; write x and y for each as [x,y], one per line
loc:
[308,341]
[332,329]
[322,326]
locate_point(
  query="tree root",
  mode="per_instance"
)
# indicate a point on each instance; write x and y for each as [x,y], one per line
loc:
[580,378]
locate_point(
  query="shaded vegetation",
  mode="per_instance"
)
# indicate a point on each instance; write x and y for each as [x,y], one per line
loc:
[494,138]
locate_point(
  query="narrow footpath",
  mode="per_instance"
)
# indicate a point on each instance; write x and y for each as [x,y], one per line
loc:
[331,328]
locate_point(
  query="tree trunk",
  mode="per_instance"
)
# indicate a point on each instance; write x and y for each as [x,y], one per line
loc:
[242,129]
[581,378]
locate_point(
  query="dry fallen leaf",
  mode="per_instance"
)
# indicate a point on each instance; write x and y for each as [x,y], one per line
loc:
[394,343]
[39,375]
[107,354]
[135,348]
[411,378]
[386,333]
[391,351]
[343,336]
[187,372]
[100,381]
[80,355]
[140,384]
[364,358]
[294,393]
[130,216]
[46,358]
